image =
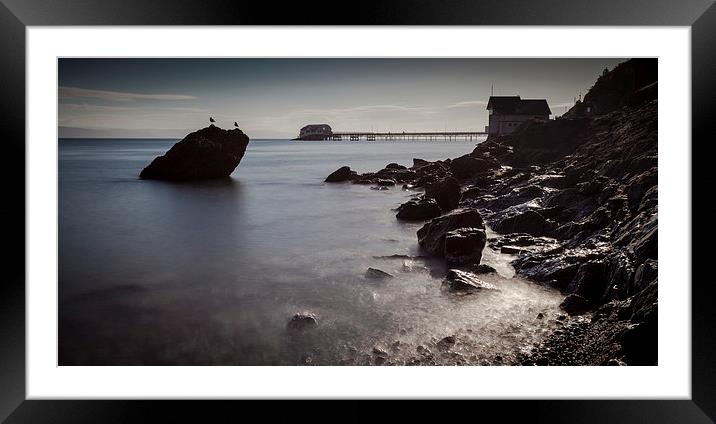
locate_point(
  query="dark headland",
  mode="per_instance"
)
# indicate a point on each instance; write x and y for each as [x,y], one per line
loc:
[208,153]
[575,199]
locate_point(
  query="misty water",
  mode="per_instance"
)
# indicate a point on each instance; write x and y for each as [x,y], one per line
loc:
[210,273]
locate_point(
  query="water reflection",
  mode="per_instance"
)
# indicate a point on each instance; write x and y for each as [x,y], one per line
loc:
[209,272]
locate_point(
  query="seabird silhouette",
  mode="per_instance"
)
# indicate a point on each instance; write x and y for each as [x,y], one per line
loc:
[236,125]
[211,119]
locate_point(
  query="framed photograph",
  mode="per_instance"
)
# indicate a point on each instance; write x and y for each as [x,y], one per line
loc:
[434,201]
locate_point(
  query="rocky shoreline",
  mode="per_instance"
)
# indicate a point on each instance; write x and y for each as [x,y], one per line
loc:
[575,199]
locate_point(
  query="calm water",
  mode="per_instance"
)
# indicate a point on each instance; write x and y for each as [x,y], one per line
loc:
[209,273]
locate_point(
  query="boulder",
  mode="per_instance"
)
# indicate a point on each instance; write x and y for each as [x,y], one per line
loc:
[464,246]
[466,166]
[341,174]
[446,192]
[590,281]
[462,281]
[575,304]
[208,153]
[431,236]
[529,222]
[446,342]
[418,210]
[418,163]
[395,166]
[377,274]
[302,321]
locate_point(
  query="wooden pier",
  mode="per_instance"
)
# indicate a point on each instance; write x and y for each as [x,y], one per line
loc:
[400,136]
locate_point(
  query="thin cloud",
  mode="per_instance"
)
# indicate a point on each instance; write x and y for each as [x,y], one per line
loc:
[468,103]
[96,116]
[76,92]
[360,110]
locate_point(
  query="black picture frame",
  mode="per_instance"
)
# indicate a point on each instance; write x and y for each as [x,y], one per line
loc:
[16,15]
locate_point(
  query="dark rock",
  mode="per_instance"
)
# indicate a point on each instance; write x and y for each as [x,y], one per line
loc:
[646,243]
[544,142]
[529,222]
[540,315]
[364,181]
[446,192]
[302,321]
[483,269]
[517,242]
[466,166]
[385,182]
[379,352]
[575,304]
[377,274]
[645,274]
[472,192]
[446,342]
[205,154]
[418,210]
[644,304]
[513,250]
[590,281]
[431,236]
[341,174]
[405,175]
[639,186]
[462,281]
[649,200]
[464,246]
[417,163]
[619,275]
[542,361]
[557,270]
[395,166]
[640,343]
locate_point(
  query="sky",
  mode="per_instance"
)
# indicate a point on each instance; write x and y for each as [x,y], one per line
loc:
[274,98]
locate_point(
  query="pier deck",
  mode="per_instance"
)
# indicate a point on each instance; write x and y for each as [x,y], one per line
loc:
[397,136]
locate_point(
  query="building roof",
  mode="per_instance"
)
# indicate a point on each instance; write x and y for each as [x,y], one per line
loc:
[317,126]
[514,105]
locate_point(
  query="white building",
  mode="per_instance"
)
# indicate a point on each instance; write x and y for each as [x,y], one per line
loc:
[508,112]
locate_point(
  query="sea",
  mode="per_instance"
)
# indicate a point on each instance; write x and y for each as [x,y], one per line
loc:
[210,273]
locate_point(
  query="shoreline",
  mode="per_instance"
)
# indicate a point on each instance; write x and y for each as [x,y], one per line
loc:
[575,199]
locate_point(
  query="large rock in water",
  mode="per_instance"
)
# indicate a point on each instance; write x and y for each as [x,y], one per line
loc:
[205,154]
[446,192]
[431,236]
[344,173]
[417,210]
[464,246]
